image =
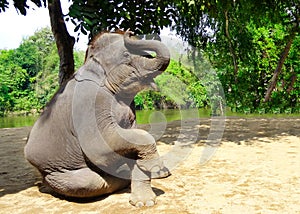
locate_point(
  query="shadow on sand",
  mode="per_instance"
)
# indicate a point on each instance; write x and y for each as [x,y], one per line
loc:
[16,174]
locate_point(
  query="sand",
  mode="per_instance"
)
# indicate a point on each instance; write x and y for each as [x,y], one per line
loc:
[256,169]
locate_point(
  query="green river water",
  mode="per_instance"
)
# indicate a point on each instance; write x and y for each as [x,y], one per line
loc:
[145,116]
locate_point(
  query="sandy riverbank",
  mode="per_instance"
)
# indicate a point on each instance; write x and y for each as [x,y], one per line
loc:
[256,169]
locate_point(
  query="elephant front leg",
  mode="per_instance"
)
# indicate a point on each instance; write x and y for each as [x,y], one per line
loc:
[145,169]
[148,165]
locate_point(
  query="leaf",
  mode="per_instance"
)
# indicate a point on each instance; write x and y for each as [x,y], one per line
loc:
[83,30]
[77,28]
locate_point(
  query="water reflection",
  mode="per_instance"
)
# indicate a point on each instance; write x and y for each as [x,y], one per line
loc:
[143,116]
[17,121]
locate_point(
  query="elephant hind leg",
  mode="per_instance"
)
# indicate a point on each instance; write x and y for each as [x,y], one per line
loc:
[84,183]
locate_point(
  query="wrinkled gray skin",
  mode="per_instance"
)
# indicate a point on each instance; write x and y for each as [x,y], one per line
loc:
[85,143]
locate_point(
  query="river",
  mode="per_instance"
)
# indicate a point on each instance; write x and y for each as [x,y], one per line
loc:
[144,116]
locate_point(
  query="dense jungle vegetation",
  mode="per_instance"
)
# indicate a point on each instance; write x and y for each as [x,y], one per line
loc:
[29,75]
[29,78]
[256,62]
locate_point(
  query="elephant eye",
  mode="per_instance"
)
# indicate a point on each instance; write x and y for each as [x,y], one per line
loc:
[126,54]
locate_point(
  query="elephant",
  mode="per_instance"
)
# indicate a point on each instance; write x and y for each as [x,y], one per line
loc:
[86,142]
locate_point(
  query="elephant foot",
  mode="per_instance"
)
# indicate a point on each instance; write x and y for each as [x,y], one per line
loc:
[142,194]
[141,191]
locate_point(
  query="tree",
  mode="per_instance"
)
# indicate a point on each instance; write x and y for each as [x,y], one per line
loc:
[21,5]
[28,74]
[261,45]
[94,16]
[224,22]
[222,28]
[143,17]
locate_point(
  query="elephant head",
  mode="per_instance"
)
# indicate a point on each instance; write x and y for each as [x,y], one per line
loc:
[127,66]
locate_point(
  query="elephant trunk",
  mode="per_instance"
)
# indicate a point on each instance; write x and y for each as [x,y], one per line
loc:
[162,58]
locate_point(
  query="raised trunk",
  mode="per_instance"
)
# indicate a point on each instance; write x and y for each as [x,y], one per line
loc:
[64,41]
[162,58]
[158,64]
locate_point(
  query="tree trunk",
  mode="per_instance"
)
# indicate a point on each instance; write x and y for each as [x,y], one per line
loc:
[231,49]
[64,41]
[278,69]
[293,80]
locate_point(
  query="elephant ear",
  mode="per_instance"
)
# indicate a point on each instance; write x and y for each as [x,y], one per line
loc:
[89,74]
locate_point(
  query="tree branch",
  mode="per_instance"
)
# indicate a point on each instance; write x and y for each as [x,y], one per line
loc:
[280,63]
[231,49]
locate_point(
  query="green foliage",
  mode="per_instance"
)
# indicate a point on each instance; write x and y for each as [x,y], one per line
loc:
[141,16]
[242,39]
[178,87]
[258,57]
[21,5]
[29,73]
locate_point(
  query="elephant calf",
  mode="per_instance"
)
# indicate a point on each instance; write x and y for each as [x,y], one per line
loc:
[86,143]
